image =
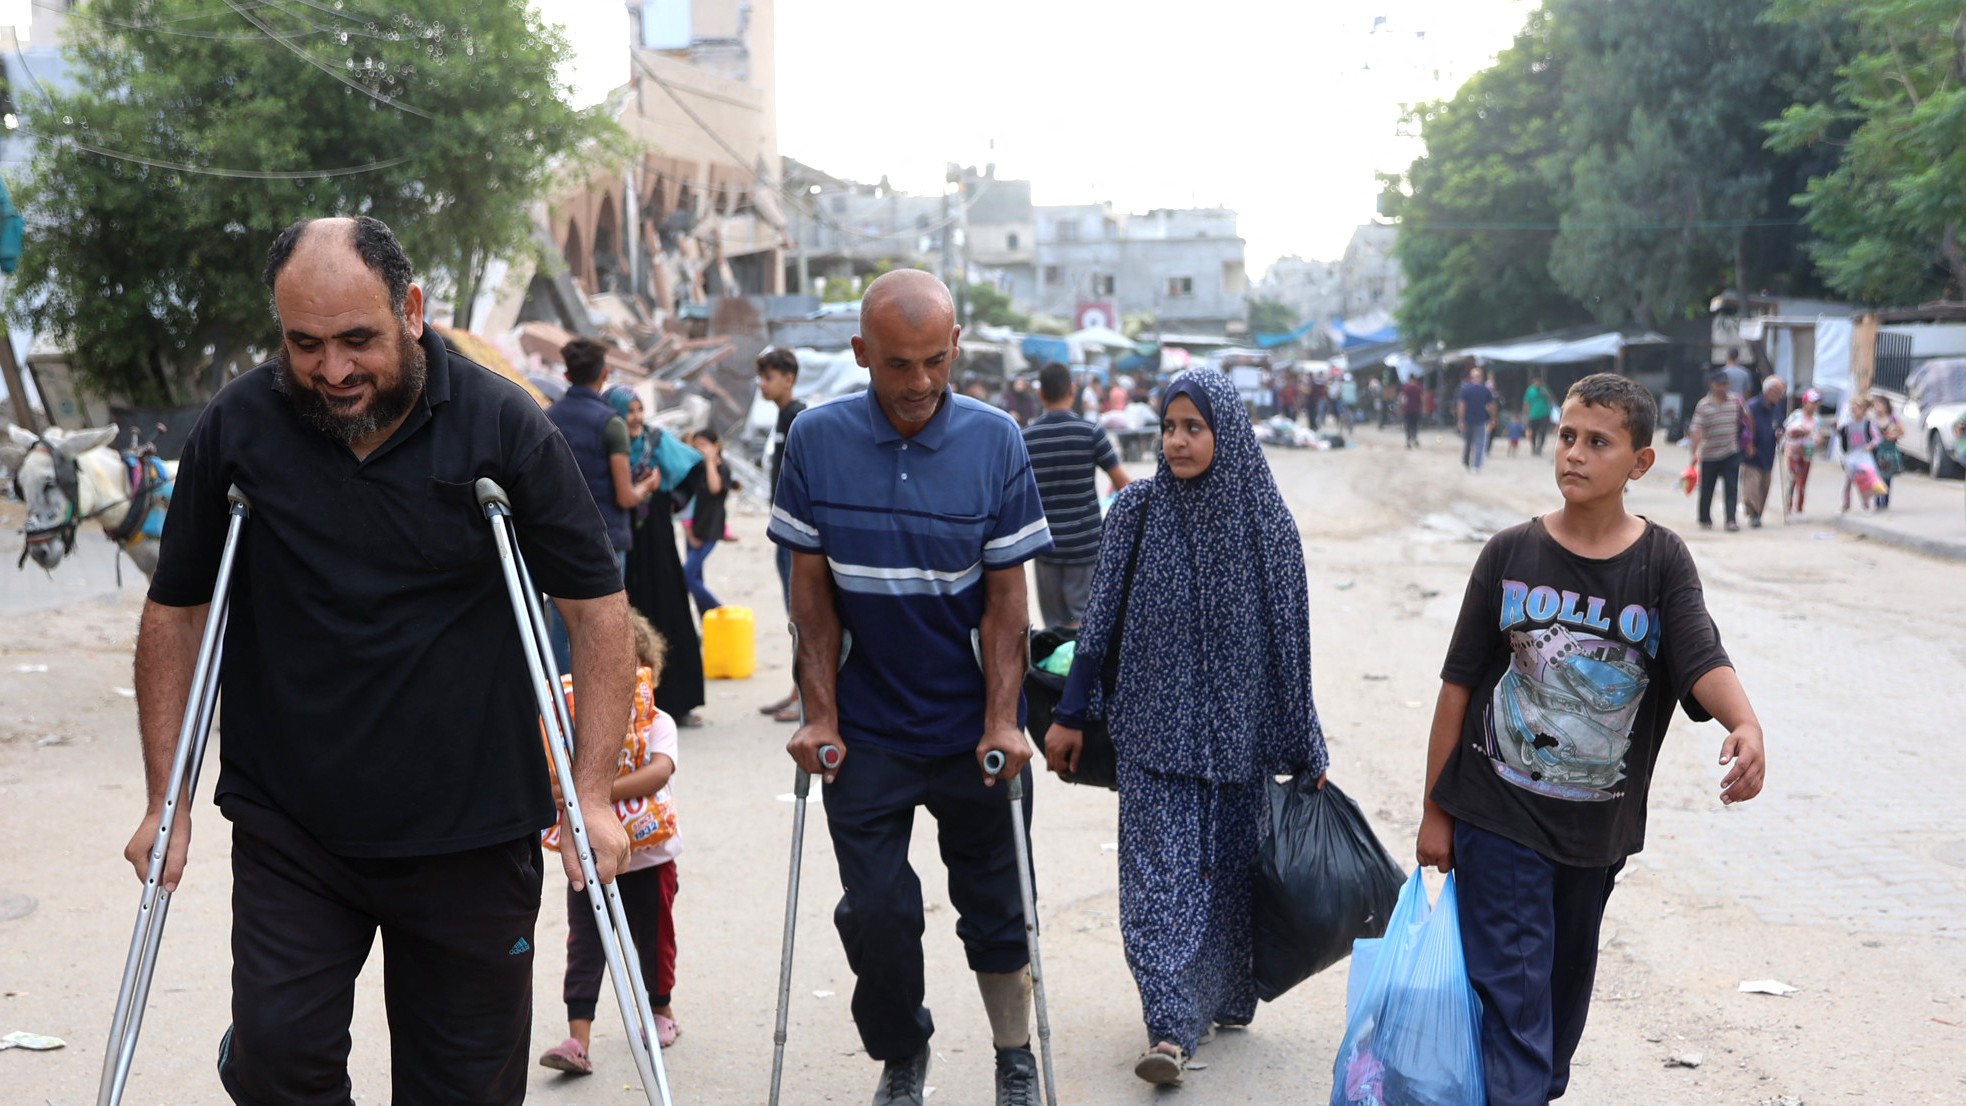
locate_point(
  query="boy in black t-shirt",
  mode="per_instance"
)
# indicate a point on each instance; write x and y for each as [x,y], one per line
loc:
[1579,631]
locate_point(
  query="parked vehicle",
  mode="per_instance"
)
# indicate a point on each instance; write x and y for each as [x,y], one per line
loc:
[1934,402]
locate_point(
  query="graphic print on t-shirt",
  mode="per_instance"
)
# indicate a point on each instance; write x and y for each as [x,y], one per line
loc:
[1560,719]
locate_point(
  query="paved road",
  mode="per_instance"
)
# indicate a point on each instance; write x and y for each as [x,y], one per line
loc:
[1845,879]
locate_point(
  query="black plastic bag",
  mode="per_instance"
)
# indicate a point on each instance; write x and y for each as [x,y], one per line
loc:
[1323,880]
[1098,762]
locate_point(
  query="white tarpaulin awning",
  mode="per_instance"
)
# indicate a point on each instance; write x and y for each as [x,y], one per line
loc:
[1556,351]
[1102,336]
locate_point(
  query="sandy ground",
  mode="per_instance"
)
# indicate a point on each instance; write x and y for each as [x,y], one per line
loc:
[1847,879]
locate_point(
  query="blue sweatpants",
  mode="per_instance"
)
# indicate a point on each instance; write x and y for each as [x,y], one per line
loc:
[1529,931]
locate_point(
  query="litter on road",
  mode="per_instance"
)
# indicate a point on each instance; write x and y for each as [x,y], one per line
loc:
[34,1041]
[1766,987]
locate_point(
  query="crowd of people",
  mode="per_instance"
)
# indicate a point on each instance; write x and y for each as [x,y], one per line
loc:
[383,762]
[1743,446]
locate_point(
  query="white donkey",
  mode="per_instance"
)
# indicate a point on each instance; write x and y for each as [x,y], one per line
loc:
[70,477]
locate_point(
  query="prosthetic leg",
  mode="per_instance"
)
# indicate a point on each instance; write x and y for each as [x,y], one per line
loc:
[993,763]
[193,734]
[610,918]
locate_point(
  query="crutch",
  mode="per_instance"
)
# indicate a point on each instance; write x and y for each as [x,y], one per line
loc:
[192,734]
[829,758]
[993,763]
[610,918]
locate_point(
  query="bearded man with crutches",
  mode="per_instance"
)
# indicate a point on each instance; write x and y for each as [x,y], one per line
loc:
[381,761]
[910,512]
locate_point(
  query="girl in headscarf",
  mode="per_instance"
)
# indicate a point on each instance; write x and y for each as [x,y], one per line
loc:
[1212,694]
[655,570]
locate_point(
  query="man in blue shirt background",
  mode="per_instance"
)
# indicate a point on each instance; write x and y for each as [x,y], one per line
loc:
[910,512]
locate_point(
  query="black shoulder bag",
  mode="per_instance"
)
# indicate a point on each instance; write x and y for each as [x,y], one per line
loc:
[1098,760]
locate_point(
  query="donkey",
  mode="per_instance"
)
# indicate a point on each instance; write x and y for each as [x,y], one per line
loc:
[70,477]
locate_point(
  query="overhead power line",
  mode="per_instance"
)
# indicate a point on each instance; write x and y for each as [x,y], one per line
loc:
[378,97]
[184,167]
[245,174]
[793,199]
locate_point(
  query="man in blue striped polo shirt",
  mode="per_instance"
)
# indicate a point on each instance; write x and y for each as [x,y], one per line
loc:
[910,512]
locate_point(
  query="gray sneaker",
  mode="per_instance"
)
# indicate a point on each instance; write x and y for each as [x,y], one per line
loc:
[902,1081]
[1017,1077]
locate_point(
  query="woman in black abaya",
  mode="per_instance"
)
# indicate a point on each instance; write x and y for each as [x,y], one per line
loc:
[655,569]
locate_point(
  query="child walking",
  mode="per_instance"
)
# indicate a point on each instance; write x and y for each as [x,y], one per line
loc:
[646,806]
[1517,425]
[1579,632]
[706,525]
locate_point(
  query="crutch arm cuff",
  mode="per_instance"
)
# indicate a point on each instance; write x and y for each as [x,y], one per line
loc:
[490,494]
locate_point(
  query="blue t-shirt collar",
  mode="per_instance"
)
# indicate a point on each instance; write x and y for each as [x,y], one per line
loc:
[928,437]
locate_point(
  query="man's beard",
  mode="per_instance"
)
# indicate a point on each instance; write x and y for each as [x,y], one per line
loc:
[386,404]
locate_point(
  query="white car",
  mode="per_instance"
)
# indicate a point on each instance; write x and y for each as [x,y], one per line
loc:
[1930,412]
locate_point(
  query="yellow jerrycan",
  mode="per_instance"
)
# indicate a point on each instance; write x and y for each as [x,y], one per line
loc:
[730,643]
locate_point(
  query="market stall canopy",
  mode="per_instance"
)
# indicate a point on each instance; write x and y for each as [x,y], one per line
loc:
[1102,336]
[1561,351]
[1041,349]
[1272,341]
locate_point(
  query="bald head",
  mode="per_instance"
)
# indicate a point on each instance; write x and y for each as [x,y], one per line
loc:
[336,242]
[1774,387]
[916,297]
[908,344]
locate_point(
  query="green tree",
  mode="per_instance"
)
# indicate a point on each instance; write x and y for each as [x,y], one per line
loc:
[1890,214]
[1478,211]
[990,306]
[1268,316]
[1670,190]
[198,129]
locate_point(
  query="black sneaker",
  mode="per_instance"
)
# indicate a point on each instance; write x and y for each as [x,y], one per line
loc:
[903,1081]
[1017,1077]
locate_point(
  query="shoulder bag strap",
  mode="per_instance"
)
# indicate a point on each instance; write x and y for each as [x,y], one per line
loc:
[1109,668]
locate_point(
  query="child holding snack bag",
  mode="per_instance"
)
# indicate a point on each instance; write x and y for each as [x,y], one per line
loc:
[646,807]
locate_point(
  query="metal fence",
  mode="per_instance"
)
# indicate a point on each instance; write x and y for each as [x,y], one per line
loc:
[1894,361]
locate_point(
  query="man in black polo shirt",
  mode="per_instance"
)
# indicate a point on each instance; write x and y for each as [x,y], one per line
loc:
[381,761]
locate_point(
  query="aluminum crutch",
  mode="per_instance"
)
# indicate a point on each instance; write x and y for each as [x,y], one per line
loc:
[610,917]
[993,763]
[829,758]
[193,734]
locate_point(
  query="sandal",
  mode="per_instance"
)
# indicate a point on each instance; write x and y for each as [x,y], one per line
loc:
[569,1057]
[666,1030]
[790,714]
[1159,1066]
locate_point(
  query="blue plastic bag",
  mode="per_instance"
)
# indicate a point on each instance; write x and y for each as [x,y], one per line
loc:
[1412,1022]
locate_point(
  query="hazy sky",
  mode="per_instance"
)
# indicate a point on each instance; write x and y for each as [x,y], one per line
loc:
[1280,109]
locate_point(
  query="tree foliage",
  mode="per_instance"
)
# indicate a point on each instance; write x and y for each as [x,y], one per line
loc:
[990,306]
[1478,212]
[1268,316]
[445,117]
[1890,217]
[1612,163]
[1672,192]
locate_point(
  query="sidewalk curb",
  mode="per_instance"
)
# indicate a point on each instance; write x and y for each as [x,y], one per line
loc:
[1950,548]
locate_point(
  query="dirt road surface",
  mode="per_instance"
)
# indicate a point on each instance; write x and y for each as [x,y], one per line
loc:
[1847,879]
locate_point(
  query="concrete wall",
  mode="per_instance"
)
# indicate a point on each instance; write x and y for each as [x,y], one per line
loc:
[1185,266]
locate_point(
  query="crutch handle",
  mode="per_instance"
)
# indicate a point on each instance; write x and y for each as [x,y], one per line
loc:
[490,494]
[238,499]
[993,761]
[830,757]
